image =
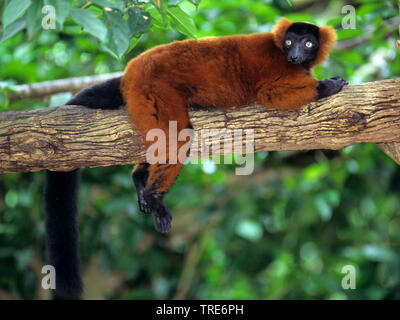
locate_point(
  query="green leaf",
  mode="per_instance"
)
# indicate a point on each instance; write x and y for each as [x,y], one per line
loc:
[195,2]
[139,20]
[105,48]
[133,42]
[174,2]
[369,8]
[14,10]
[119,5]
[63,8]
[345,34]
[13,29]
[90,23]
[118,36]
[162,9]
[156,18]
[335,21]
[183,22]
[34,17]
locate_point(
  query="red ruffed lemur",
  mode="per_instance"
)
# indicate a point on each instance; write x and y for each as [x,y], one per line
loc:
[272,69]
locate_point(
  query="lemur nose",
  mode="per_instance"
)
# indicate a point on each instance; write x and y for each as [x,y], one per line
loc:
[293,58]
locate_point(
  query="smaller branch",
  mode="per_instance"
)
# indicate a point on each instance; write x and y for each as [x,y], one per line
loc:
[46,88]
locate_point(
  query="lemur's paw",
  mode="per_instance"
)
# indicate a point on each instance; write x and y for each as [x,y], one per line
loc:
[151,202]
[145,204]
[330,86]
[162,219]
[339,82]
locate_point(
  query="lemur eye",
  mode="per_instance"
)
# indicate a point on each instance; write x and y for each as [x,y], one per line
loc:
[288,42]
[309,44]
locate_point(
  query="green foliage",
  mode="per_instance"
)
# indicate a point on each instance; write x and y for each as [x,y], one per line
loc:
[284,232]
[117,24]
[14,10]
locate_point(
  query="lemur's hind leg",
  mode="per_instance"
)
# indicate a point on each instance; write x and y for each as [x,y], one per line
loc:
[139,177]
[160,179]
[154,180]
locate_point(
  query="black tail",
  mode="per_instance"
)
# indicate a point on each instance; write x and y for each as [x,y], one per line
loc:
[61,197]
[104,95]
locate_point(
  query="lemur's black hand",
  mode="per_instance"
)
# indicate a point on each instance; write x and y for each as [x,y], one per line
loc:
[330,86]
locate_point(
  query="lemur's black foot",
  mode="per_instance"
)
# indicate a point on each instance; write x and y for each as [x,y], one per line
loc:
[139,177]
[151,202]
[162,218]
[144,204]
[330,86]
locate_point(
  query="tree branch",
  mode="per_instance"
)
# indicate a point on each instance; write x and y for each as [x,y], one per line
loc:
[65,138]
[45,88]
[393,149]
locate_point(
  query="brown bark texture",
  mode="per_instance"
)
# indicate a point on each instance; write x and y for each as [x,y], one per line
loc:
[69,137]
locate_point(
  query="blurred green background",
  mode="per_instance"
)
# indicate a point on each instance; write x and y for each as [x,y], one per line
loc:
[284,232]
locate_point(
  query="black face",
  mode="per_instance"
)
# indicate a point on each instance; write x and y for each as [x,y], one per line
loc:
[300,43]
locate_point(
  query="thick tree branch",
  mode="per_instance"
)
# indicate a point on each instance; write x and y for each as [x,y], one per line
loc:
[393,149]
[65,138]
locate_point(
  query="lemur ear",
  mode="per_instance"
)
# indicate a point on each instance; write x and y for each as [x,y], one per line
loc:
[327,39]
[280,30]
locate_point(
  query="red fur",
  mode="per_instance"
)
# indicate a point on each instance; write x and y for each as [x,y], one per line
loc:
[225,72]
[327,39]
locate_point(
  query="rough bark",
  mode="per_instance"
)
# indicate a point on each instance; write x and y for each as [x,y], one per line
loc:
[64,138]
[393,149]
